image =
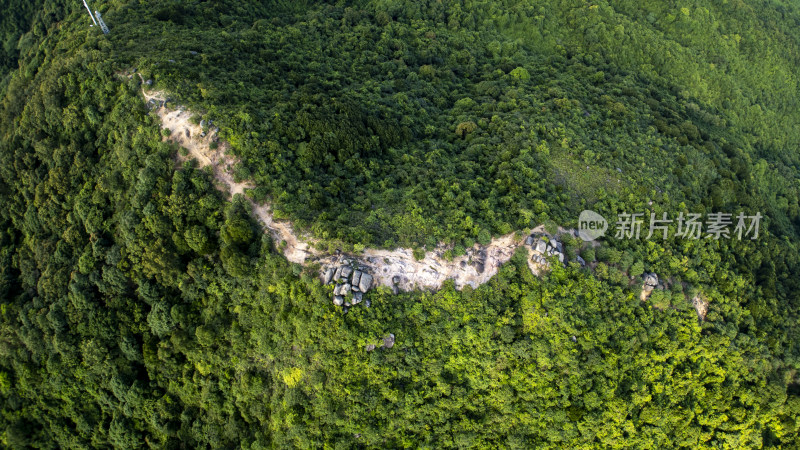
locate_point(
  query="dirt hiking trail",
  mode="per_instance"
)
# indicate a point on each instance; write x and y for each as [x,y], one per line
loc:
[390,268]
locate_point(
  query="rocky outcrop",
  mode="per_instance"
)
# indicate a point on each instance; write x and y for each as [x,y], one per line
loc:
[650,282]
[351,283]
[346,271]
[544,248]
[365,282]
[386,342]
[700,305]
[328,276]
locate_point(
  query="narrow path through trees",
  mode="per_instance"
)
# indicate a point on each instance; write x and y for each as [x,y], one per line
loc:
[389,267]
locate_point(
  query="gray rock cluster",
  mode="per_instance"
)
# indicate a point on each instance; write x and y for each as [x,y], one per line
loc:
[543,249]
[387,342]
[351,284]
[156,104]
[650,282]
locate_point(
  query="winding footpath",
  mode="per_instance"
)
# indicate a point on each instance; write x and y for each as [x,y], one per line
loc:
[389,268]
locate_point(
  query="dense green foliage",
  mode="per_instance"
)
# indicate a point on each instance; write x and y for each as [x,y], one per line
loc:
[411,125]
[138,308]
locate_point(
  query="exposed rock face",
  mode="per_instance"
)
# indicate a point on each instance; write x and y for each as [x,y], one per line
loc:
[328,275]
[474,267]
[342,289]
[650,281]
[346,271]
[365,282]
[701,306]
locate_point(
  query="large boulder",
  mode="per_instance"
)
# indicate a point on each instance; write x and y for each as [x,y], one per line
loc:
[342,289]
[337,275]
[356,278]
[365,282]
[328,276]
[541,246]
[357,297]
[346,271]
[338,300]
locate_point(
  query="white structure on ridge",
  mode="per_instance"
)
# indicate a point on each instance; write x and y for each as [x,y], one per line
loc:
[97,15]
[102,24]
[90,12]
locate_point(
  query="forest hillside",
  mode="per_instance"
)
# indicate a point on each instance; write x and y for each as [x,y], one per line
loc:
[141,306]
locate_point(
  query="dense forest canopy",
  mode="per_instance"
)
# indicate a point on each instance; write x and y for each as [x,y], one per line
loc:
[140,308]
[380,123]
